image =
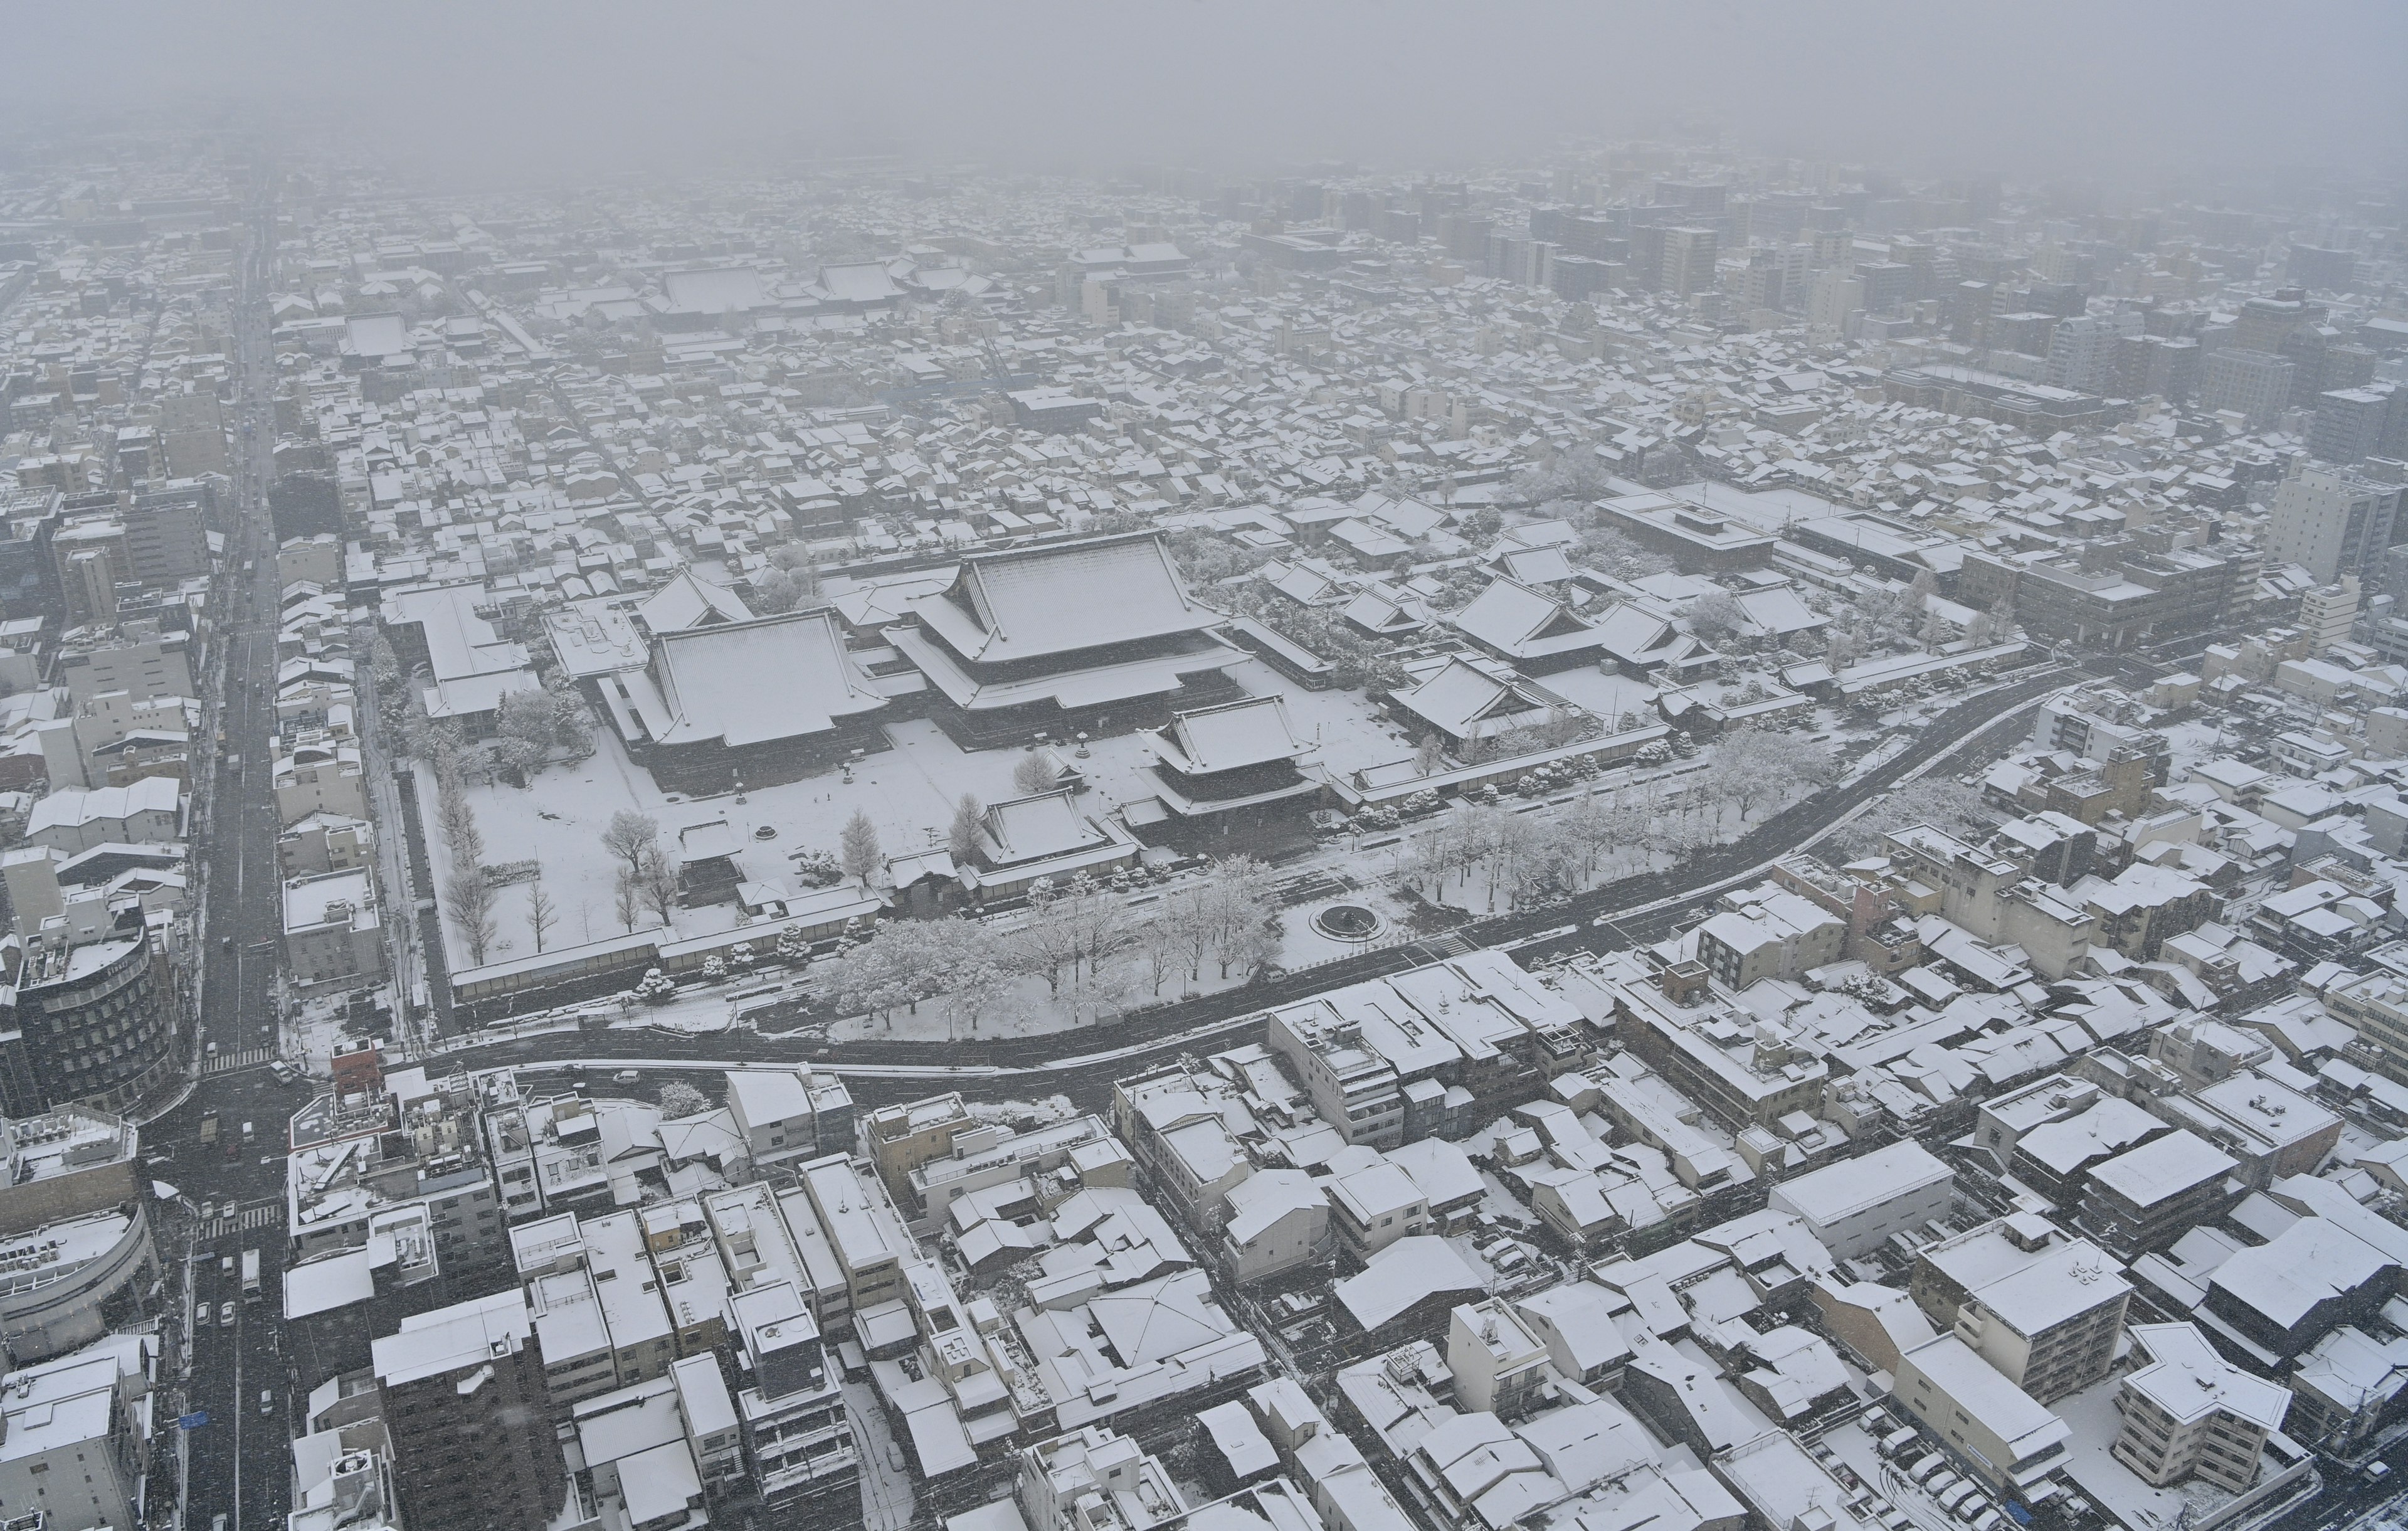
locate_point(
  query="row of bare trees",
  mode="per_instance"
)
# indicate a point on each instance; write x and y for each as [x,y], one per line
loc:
[468,897]
[1094,949]
[1513,859]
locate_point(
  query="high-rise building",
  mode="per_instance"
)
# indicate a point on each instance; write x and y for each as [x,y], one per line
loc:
[2254,384]
[463,1394]
[2322,269]
[2081,352]
[2331,521]
[2265,324]
[1689,253]
[1837,293]
[166,538]
[2157,366]
[2349,424]
[86,1013]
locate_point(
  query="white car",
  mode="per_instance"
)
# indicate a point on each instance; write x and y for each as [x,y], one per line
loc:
[226,1315]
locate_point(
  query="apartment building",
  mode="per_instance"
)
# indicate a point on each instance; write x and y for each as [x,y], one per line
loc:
[463,1394]
[2044,1311]
[2146,1197]
[2189,1413]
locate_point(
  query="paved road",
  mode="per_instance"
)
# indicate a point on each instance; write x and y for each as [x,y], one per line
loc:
[239,1463]
[1642,909]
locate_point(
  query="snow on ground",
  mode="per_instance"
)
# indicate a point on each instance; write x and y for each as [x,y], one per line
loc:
[910,793]
[2096,1422]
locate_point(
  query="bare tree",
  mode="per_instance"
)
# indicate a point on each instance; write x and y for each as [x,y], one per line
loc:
[1101,925]
[962,836]
[470,902]
[1032,773]
[1587,829]
[1046,942]
[540,916]
[627,899]
[1157,949]
[857,847]
[1241,912]
[630,835]
[656,881]
[457,822]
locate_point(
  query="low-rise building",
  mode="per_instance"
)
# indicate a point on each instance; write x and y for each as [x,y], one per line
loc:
[2147,1198]
[1855,1205]
[333,932]
[1988,1426]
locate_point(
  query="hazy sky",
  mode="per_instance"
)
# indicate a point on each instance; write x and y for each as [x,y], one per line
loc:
[2040,86]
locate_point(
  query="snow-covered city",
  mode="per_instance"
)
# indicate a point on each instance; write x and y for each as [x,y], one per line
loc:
[1655,830]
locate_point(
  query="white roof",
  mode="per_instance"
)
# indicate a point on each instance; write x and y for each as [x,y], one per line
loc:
[2169,1167]
[72,808]
[1401,1275]
[2189,1380]
[1983,1392]
[1037,602]
[323,1285]
[708,682]
[1831,1196]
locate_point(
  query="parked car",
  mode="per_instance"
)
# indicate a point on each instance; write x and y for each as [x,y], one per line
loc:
[226,1315]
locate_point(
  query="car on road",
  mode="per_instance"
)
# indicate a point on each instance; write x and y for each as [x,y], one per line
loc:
[266,1401]
[625,1076]
[226,1315]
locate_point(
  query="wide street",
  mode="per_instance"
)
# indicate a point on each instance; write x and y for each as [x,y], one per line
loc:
[238,1463]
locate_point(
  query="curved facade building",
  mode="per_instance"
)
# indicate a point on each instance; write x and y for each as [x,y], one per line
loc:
[66,1285]
[93,1023]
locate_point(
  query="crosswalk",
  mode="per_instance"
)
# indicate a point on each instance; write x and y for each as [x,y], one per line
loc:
[227,1063]
[260,1214]
[1446,944]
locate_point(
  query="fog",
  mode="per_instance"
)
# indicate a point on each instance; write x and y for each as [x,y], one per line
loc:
[2050,88]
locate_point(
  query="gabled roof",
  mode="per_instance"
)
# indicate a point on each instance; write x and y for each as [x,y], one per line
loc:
[862,282]
[1024,829]
[1377,613]
[1533,565]
[687,602]
[1031,603]
[1251,732]
[748,682]
[1458,699]
[1519,622]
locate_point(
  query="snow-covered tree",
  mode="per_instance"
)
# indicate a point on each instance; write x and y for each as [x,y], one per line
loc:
[680,1100]
[655,987]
